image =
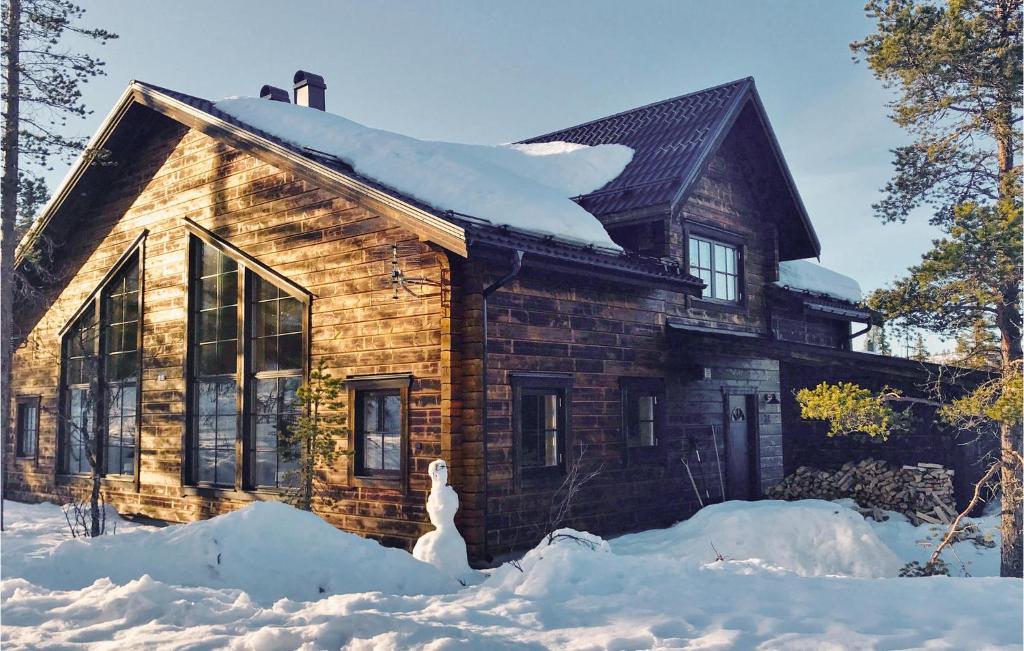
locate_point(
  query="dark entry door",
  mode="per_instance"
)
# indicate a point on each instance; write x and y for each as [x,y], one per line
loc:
[739,447]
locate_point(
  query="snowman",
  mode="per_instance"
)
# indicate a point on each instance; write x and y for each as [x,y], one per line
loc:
[444,547]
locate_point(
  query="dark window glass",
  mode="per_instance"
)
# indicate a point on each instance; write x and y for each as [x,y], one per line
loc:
[216,311]
[275,409]
[120,309]
[81,371]
[27,433]
[379,432]
[541,422]
[79,430]
[640,421]
[214,410]
[276,330]
[215,431]
[717,265]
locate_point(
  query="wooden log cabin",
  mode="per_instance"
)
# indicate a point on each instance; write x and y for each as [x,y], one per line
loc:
[216,263]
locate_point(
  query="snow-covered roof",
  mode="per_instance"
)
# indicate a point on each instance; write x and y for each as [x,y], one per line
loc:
[805,276]
[529,187]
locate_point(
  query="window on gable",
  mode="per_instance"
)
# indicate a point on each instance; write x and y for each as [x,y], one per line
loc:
[27,427]
[247,362]
[541,423]
[100,387]
[718,265]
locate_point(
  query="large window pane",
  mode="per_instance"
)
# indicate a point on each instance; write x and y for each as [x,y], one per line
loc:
[276,409]
[277,328]
[214,430]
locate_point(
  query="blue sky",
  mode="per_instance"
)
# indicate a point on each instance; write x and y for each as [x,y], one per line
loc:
[498,72]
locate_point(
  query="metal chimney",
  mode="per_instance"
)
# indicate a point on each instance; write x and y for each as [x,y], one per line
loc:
[309,90]
[274,94]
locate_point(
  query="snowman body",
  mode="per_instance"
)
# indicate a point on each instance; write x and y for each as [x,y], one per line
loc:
[444,547]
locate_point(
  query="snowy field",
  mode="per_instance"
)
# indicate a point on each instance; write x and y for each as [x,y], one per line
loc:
[802,575]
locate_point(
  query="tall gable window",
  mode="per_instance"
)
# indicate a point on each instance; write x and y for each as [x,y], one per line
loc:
[100,367]
[247,360]
[718,265]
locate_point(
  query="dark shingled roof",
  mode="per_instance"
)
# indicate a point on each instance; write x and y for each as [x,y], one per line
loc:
[672,140]
[669,138]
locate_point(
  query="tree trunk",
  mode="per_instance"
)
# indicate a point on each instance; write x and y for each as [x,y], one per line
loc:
[1008,319]
[9,143]
[94,505]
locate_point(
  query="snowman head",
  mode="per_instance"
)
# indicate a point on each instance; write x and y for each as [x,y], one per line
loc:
[438,470]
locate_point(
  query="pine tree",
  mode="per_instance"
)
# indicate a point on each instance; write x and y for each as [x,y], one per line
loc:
[956,68]
[978,348]
[920,353]
[43,77]
[312,439]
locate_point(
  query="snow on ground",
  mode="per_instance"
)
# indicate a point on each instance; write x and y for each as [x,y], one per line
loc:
[661,589]
[804,275]
[523,186]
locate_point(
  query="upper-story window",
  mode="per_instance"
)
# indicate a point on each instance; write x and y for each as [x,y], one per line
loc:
[717,264]
[247,361]
[100,386]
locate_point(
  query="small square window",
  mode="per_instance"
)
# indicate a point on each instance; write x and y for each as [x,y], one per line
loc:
[379,433]
[642,416]
[541,422]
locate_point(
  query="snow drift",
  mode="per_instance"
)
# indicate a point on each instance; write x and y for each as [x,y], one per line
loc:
[267,549]
[809,538]
[523,186]
[806,276]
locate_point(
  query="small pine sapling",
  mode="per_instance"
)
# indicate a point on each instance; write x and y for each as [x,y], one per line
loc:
[312,438]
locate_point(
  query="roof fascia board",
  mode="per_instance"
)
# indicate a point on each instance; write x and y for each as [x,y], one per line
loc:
[428,226]
[732,114]
[781,160]
[78,169]
[712,144]
[431,227]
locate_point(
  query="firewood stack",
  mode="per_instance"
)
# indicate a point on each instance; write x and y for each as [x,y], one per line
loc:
[924,493]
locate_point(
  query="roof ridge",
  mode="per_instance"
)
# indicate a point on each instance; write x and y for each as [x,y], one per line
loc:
[709,89]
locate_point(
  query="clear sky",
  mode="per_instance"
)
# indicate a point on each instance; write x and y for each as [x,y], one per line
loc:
[498,72]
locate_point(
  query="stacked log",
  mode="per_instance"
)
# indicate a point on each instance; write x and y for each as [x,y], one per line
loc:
[923,493]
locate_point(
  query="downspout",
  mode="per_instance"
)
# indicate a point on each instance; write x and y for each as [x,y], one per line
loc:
[517,265]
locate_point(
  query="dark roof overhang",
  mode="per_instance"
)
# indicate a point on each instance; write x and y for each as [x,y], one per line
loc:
[559,255]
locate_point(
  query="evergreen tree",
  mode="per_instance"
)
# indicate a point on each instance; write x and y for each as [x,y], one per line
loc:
[956,68]
[920,353]
[43,77]
[978,348]
[312,439]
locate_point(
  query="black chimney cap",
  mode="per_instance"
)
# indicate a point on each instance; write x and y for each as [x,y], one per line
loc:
[274,94]
[309,90]
[303,78]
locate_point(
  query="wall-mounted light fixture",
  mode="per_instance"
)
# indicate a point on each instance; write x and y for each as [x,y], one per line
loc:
[771,399]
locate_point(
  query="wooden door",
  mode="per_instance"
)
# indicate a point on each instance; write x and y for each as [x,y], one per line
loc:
[739,447]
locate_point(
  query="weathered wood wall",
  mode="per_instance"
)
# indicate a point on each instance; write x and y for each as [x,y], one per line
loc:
[338,251]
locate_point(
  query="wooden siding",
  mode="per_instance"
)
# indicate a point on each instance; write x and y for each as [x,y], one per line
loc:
[338,251]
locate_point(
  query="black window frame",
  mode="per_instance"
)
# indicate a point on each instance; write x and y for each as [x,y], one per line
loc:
[96,421]
[357,388]
[246,378]
[630,389]
[534,384]
[22,405]
[726,239]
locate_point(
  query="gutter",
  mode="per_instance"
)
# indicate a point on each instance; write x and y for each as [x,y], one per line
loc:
[517,265]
